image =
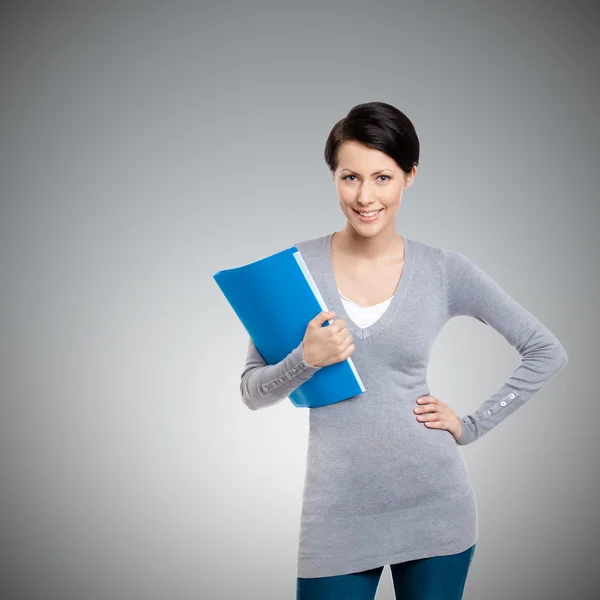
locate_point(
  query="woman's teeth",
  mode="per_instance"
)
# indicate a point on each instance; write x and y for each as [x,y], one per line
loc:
[369,217]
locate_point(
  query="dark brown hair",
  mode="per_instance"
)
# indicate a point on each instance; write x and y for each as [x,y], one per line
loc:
[380,126]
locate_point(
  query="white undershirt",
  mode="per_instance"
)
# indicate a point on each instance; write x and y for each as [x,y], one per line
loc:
[364,316]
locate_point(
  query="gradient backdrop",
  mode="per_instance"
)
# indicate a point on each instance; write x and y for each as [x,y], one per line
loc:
[145,146]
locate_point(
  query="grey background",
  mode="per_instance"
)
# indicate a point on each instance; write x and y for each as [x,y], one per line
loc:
[145,146]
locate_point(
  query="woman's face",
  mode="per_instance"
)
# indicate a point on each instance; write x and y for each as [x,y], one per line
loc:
[368,180]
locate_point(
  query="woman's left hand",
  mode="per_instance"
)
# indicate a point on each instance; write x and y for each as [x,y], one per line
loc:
[435,414]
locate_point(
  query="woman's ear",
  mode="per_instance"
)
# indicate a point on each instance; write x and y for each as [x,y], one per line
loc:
[410,177]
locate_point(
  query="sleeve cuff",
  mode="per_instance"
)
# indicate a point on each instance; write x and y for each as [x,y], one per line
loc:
[469,432]
[296,370]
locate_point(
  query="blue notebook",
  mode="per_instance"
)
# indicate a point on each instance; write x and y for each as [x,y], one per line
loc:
[275,298]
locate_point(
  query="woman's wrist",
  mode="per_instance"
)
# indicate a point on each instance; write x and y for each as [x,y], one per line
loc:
[305,356]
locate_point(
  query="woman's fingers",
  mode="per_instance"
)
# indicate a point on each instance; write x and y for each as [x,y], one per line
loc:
[423,408]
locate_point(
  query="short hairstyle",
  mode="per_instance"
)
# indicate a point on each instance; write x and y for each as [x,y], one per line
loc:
[377,125]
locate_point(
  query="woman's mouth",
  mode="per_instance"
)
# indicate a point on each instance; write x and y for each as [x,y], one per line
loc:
[368,217]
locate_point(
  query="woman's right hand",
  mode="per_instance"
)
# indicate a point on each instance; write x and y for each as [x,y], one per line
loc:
[327,345]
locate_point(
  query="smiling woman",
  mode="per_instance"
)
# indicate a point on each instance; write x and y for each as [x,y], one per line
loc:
[372,155]
[385,479]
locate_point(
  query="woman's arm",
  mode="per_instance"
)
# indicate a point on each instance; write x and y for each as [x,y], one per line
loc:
[263,385]
[470,291]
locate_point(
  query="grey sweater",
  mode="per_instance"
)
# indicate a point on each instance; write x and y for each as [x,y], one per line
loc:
[381,487]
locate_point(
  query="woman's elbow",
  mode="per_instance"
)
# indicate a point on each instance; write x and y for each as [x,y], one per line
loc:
[562,357]
[248,399]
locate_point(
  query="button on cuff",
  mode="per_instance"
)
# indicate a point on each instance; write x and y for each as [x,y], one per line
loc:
[504,402]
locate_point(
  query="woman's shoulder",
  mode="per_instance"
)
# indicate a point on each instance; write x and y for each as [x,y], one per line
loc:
[313,245]
[437,252]
[427,251]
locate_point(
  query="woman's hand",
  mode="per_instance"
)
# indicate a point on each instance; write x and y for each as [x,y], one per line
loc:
[436,414]
[323,346]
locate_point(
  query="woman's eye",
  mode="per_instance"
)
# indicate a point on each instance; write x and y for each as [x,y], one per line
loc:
[346,177]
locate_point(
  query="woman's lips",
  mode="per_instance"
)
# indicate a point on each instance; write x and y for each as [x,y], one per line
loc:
[368,219]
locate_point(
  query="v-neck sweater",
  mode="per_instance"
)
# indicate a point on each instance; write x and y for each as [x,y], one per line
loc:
[381,487]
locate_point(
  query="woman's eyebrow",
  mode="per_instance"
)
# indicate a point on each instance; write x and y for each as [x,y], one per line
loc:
[376,172]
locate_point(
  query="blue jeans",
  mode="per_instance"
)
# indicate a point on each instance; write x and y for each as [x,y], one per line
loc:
[434,578]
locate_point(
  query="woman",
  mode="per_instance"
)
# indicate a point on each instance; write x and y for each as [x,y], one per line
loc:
[386,482]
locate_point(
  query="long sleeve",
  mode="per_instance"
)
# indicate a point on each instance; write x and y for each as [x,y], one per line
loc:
[470,291]
[264,385]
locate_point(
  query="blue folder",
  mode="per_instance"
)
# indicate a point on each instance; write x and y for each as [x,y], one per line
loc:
[275,298]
